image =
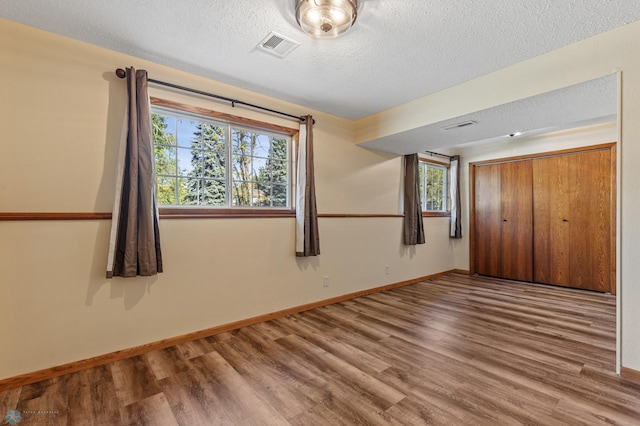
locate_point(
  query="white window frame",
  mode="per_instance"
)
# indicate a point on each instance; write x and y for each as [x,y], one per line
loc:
[423,165]
[229,126]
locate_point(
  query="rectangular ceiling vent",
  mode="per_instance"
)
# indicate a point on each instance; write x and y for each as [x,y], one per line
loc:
[459,125]
[277,45]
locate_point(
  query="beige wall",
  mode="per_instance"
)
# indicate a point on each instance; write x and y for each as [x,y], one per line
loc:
[595,57]
[61,115]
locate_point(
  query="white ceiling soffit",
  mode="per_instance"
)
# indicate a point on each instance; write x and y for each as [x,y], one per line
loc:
[585,103]
[396,52]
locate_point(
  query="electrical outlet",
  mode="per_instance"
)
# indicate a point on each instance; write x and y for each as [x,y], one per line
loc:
[386,269]
[326,281]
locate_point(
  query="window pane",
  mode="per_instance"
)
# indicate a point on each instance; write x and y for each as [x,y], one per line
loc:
[279,171]
[214,163]
[208,136]
[259,162]
[435,189]
[438,195]
[241,194]
[214,193]
[421,178]
[263,191]
[430,189]
[242,141]
[186,132]
[165,158]
[279,148]
[166,190]
[433,186]
[279,197]
[262,146]
[189,161]
[241,167]
[163,130]
[259,169]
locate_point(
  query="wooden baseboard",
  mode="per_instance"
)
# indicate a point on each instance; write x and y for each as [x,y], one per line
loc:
[630,374]
[461,271]
[72,367]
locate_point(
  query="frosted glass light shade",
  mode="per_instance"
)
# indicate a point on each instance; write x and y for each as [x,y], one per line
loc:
[326,18]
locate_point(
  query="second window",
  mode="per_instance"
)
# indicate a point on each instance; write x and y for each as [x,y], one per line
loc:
[433,187]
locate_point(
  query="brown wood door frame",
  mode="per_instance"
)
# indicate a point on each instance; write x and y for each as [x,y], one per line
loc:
[472,197]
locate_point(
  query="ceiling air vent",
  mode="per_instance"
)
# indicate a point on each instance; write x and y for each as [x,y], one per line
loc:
[458,125]
[277,45]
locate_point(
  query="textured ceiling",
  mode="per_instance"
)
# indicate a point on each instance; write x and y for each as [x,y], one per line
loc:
[397,51]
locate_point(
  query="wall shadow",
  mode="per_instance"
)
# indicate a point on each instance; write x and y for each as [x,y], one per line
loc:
[304,263]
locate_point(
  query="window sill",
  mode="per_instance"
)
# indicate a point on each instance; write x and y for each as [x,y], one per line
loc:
[222,213]
[436,214]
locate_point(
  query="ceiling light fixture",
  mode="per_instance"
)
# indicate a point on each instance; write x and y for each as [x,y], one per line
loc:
[326,18]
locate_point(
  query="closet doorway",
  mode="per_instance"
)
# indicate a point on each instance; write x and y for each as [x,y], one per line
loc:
[546,218]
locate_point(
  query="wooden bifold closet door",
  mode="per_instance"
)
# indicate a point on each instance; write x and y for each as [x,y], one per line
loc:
[503,222]
[516,194]
[572,220]
[546,219]
[488,229]
[551,248]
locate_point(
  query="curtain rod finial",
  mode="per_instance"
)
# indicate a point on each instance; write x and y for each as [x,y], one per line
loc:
[121,73]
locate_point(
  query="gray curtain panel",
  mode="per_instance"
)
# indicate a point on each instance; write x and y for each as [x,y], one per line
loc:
[307,239]
[413,228]
[135,236]
[454,192]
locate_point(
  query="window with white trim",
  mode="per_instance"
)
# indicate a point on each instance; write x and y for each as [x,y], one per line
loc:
[201,161]
[433,187]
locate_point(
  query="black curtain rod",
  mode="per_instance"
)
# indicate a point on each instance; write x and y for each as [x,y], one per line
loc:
[441,155]
[122,74]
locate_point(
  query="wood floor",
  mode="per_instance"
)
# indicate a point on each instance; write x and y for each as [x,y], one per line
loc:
[456,350]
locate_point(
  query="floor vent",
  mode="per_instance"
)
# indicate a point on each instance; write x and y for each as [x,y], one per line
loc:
[277,45]
[458,125]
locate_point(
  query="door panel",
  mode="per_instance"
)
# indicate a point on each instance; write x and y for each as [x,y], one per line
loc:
[488,220]
[516,207]
[590,220]
[551,239]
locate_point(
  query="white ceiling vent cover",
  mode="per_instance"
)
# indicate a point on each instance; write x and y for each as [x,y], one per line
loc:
[277,45]
[459,125]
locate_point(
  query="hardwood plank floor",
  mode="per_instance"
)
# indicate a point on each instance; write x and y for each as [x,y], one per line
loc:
[454,350]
